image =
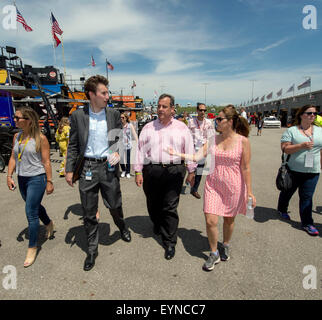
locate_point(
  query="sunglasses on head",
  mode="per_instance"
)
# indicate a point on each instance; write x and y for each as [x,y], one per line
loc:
[311,113]
[219,119]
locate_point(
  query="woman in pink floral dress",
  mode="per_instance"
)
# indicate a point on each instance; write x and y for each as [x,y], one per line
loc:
[228,185]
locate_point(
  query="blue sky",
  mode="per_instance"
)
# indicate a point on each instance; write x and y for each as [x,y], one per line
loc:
[177,45]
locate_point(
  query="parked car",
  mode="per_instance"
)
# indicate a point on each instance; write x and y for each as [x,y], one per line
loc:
[271,122]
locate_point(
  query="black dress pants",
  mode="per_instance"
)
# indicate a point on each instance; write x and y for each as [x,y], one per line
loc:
[162,187]
[109,185]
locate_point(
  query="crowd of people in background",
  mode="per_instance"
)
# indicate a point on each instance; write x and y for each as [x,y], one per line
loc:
[96,144]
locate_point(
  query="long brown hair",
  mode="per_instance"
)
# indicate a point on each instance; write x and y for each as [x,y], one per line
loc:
[240,124]
[62,123]
[299,112]
[127,118]
[34,130]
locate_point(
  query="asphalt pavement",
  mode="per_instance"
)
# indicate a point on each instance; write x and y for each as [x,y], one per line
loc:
[271,259]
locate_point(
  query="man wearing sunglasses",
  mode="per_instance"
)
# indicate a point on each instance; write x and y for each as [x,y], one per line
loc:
[201,129]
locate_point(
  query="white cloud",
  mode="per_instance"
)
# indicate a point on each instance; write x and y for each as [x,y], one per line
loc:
[269,47]
[120,28]
[176,46]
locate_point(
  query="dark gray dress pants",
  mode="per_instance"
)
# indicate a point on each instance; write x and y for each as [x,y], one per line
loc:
[109,185]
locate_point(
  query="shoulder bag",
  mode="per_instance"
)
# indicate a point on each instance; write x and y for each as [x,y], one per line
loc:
[284,175]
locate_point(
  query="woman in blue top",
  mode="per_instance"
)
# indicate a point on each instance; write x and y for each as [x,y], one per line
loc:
[303,142]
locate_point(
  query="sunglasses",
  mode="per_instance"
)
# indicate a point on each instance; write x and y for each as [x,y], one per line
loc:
[310,113]
[18,118]
[219,119]
[202,110]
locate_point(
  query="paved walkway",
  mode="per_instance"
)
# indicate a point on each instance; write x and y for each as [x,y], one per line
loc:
[268,255]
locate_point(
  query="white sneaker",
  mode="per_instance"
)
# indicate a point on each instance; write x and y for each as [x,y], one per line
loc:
[128,175]
[123,174]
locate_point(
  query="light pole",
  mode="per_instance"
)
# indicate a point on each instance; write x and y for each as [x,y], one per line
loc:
[206,84]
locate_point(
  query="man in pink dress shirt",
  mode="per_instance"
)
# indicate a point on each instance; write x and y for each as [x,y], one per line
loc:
[202,130]
[162,174]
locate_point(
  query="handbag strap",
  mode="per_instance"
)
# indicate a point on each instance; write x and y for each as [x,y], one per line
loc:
[287,158]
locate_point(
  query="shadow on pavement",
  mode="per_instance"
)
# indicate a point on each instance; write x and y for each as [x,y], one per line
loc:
[263,215]
[193,242]
[24,234]
[75,209]
[77,235]
[142,225]
[318,210]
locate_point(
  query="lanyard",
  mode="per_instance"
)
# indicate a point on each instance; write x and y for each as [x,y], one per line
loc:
[310,137]
[23,149]
[203,123]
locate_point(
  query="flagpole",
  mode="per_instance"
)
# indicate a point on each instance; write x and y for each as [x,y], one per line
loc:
[52,39]
[14,3]
[62,45]
[106,70]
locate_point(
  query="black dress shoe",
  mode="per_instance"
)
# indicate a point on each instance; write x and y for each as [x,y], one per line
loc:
[126,235]
[90,261]
[170,252]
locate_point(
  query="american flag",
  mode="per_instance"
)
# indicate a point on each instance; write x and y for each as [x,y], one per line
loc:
[290,89]
[55,26]
[305,84]
[109,66]
[22,21]
[93,64]
[56,40]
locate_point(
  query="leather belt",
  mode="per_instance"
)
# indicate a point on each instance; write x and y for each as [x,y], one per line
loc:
[166,165]
[97,160]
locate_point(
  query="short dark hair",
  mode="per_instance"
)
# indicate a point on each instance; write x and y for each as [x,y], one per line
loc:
[166,95]
[200,104]
[92,83]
